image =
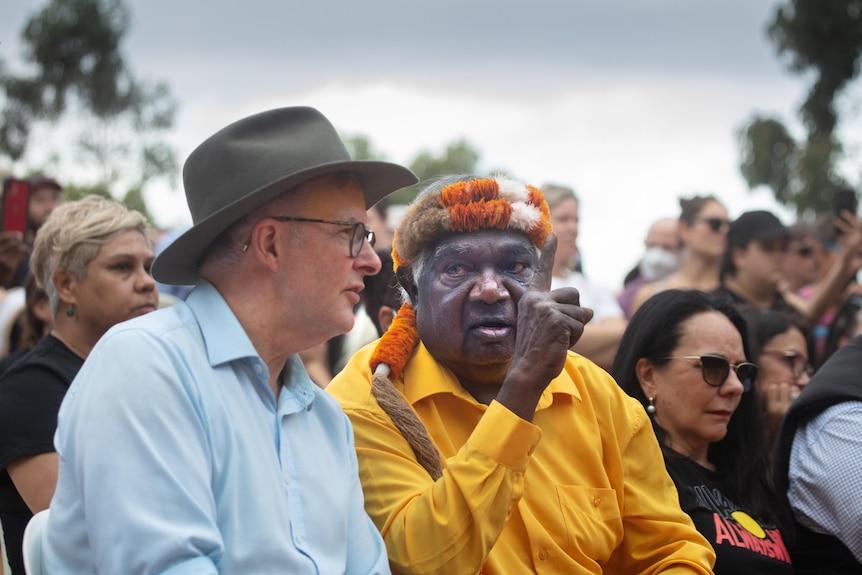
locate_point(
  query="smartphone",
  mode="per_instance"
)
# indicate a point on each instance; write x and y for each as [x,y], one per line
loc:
[16,198]
[844,199]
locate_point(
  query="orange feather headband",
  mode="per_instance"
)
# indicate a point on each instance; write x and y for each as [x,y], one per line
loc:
[483,203]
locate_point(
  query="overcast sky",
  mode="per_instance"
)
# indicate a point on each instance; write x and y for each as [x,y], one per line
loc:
[634,103]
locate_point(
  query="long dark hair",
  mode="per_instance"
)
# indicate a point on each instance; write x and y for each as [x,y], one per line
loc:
[654,331]
[765,324]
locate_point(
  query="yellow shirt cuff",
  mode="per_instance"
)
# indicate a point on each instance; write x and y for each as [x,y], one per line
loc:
[505,438]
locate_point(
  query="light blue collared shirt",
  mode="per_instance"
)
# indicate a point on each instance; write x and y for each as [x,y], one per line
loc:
[824,476]
[175,458]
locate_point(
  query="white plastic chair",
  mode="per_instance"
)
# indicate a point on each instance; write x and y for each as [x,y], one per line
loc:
[33,543]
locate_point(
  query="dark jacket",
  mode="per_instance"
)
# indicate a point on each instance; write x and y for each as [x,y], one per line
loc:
[839,380]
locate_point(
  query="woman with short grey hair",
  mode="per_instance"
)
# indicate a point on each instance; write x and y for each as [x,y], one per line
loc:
[93,258]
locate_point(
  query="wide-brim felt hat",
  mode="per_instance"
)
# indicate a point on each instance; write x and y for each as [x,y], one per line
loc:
[251,162]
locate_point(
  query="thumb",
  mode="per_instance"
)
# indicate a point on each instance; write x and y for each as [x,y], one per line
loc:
[542,278]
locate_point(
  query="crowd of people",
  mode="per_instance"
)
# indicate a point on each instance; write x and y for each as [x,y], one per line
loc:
[332,392]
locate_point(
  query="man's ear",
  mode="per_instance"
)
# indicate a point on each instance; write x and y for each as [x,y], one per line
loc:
[385,315]
[737,255]
[405,280]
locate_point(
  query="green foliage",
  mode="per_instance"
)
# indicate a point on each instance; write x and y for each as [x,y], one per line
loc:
[134,200]
[458,158]
[769,156]
[800,175]
[74,192]
[360,148]
[824,38]
[72,48]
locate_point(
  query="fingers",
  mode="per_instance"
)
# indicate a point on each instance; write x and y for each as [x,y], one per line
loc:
[542,278]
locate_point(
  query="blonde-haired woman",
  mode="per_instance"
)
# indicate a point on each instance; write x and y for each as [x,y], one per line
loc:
[93,258]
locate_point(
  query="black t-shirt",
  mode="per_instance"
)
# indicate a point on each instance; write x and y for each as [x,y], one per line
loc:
[31,392]
[742,543]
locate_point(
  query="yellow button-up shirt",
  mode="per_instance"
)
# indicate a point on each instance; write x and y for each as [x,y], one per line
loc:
[581,489]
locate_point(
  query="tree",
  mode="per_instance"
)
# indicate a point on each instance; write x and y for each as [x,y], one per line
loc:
[824,38]
[360,148]
[73,47]
[458,158]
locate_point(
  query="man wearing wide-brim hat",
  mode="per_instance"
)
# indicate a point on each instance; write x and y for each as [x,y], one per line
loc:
[194,441]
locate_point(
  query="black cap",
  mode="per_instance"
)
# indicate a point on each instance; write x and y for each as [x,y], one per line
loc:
[757,225]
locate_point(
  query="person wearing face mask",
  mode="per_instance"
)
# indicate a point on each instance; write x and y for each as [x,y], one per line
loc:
[702,229]
[660,259]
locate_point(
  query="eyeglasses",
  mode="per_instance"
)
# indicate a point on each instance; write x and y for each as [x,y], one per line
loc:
[797,362]
[716,369]
[805,251]
[716,224]
[359,234]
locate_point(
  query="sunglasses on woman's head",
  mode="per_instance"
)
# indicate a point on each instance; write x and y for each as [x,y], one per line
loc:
[716,369]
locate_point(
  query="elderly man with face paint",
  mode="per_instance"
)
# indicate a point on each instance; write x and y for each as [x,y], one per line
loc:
[484,444]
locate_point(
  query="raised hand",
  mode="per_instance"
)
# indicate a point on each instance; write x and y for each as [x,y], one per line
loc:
[12,251]
[549,323]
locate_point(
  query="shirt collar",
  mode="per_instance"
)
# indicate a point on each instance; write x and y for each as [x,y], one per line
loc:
[224,337]
[427,377]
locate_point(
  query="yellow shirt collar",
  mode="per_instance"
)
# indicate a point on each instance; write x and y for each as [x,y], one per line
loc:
[427,377]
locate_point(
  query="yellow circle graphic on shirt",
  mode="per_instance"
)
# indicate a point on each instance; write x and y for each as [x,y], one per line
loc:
[749,524]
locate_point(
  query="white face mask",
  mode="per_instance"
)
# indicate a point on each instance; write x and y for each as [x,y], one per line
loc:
[657,263]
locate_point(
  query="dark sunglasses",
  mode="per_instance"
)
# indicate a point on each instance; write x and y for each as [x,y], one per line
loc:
[716,369]
[716,224]
[794,360]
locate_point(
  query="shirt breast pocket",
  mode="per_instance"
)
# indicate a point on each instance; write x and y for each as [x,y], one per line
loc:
[592,520]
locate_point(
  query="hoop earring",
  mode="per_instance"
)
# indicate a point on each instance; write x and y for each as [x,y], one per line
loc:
[651,407]
[71,311]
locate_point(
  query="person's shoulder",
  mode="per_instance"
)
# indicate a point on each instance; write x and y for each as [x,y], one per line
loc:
[352,385]
[159,325]
[48,364]
[598,384]
[644,292]
[588,369]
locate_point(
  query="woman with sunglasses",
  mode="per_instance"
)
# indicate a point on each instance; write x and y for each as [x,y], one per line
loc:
[781,345]
[703,225]
[684,357]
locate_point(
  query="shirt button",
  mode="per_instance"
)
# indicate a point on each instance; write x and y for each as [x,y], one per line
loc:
[286,480]
[258,368]
[299,540]
[543,554]
[597,501]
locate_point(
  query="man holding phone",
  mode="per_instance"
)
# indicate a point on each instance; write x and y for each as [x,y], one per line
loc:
[13,250]
[26,206]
